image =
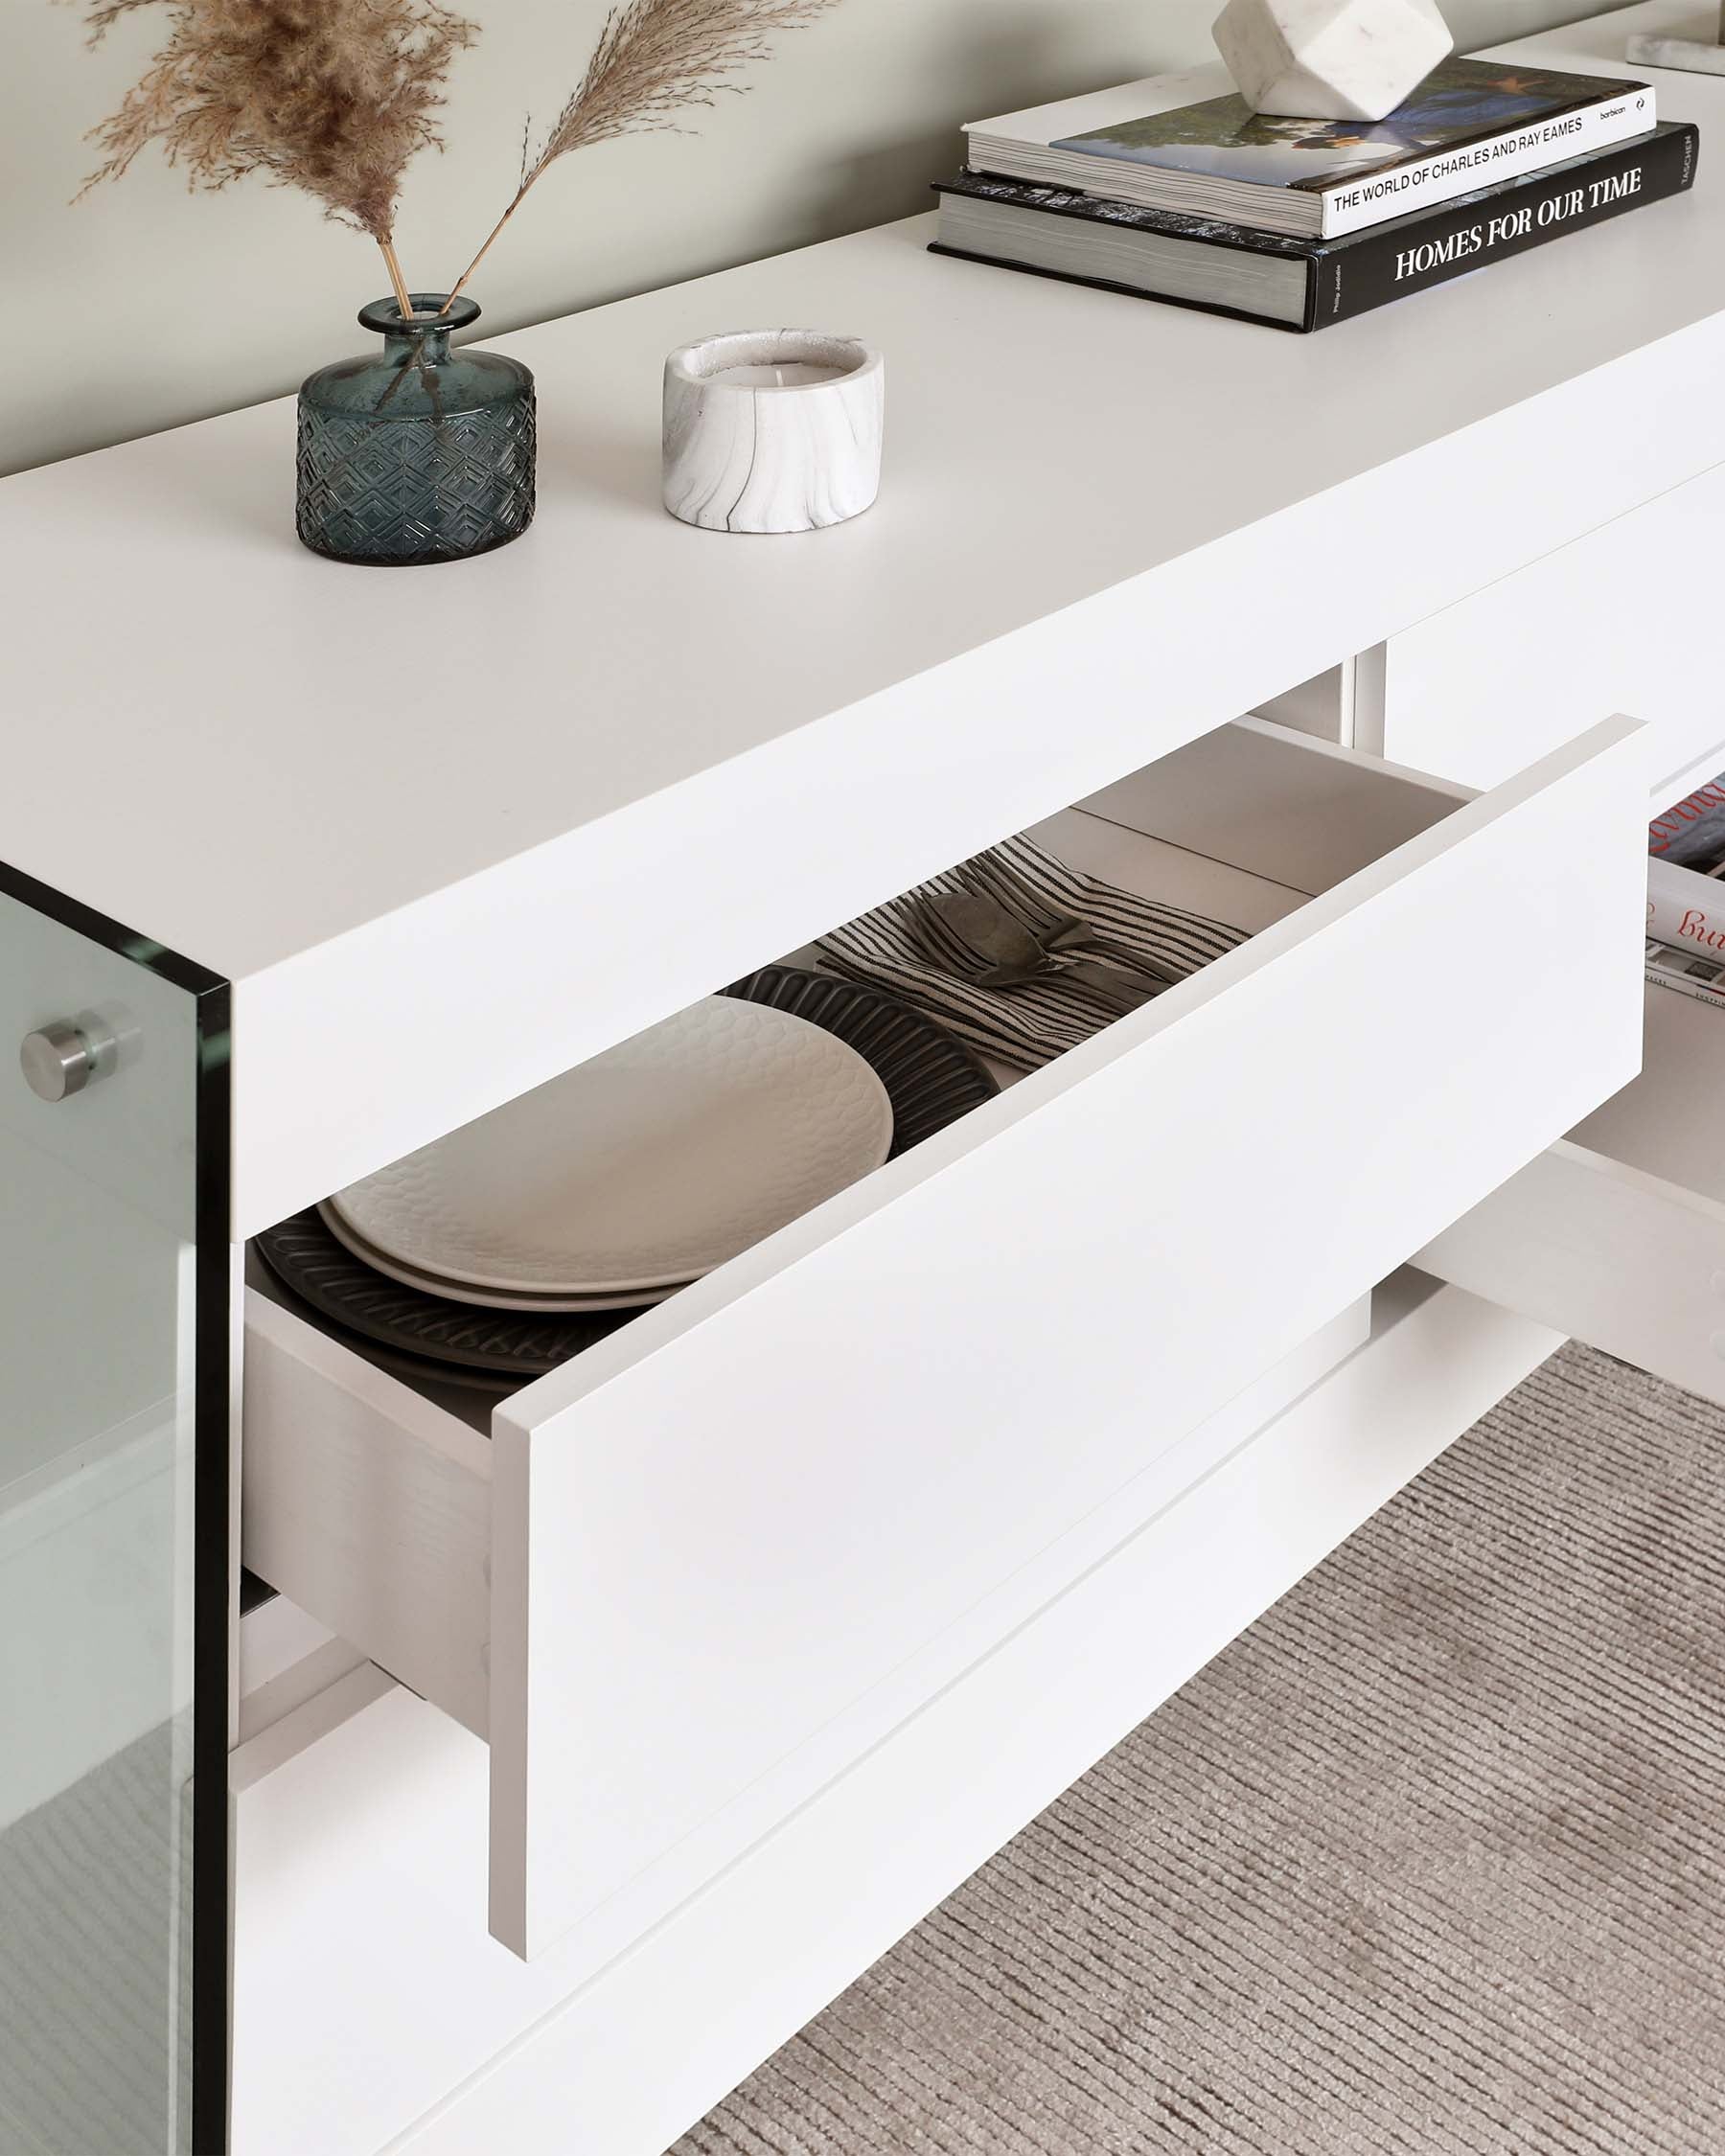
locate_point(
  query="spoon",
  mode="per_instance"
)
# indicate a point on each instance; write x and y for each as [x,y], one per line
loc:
[1016,955]
[988,928]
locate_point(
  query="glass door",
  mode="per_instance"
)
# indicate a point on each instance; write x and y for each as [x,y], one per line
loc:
[114,1437]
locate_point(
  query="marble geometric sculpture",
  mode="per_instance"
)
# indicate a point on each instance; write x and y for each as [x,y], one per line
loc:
[772,430]
[1330,60]
[1700,50]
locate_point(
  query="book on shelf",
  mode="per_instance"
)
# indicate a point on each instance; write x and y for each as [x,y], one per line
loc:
[1190,143]
[1299,285]
[1686,875]
[1690,974]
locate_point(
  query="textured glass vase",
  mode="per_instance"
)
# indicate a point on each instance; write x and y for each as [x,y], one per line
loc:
[416,453]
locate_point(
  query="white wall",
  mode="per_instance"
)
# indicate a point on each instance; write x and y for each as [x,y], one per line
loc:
[146,305]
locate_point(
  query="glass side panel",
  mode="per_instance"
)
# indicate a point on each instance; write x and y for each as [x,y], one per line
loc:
[112,1537]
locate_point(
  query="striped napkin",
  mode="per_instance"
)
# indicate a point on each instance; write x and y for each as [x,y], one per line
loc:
[906,949]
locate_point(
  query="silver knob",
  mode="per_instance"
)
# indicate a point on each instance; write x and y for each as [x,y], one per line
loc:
[61,1058]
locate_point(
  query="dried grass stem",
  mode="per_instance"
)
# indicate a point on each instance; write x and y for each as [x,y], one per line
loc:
[655,59]
[333,97]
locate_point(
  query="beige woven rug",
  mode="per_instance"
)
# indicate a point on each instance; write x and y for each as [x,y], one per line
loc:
[1431,1860]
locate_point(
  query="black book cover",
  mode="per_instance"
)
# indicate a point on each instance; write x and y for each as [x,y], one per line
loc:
[1363,270]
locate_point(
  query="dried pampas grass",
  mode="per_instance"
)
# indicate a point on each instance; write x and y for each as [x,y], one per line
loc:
[333,97]
[658,58]
[655,59]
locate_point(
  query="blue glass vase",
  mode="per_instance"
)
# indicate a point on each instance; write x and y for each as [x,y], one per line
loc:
[416,453]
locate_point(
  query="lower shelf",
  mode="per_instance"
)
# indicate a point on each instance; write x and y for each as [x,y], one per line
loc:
[370,2011]
[1616,1234]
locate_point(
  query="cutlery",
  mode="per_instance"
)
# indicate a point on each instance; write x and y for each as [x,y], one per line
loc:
[1028,960]
[1015,950]
[1118,995]
[1070,934]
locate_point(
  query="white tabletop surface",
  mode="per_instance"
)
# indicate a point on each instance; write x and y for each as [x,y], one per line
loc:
[242,750]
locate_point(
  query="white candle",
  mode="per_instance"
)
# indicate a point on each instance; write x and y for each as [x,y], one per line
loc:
[772,430]
[789,374]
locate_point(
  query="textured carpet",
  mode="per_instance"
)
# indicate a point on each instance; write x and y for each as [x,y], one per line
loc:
[93,1998]
[1429,1860]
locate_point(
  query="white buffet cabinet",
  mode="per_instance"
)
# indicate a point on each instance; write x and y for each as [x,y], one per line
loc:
[584,1756]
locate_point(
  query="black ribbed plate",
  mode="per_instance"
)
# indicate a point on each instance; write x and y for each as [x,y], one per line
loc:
[931,1079]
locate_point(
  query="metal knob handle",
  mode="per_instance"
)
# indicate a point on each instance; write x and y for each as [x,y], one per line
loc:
[61,1058]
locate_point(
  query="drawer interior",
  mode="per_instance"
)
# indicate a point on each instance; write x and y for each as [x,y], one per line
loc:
[1243,825]
[366,1492]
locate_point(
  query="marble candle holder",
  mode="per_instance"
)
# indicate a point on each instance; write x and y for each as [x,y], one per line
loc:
[772,430]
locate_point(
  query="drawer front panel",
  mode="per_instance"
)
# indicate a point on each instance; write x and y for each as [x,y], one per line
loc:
[723,1539]
[1625,619]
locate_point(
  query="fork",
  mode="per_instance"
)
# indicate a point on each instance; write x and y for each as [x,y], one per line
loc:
[1017,955]
[1014,949]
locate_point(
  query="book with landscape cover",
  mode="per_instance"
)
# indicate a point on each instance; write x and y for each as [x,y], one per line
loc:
[1300,283]
[1190,143]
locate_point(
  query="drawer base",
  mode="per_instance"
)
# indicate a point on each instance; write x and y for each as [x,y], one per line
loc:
[365,1989]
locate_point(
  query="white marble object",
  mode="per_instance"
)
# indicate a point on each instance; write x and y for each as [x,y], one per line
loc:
[772,430]
[1701,52]
[1330,60]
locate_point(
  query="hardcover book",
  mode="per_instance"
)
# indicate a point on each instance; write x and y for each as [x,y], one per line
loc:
[1173,143]
[1690,974]
[1686,875]
[1300,283]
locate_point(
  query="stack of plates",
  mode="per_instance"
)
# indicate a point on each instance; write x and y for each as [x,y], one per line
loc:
[515,1241]
[632,1175]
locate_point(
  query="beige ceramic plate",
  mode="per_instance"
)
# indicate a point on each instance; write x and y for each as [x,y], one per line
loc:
[642,1169]
[483,1298]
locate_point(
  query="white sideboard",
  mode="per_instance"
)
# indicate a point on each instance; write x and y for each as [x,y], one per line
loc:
[593,1749]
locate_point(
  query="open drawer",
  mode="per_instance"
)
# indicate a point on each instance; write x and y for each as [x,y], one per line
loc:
[1617,1233]
[703,1566]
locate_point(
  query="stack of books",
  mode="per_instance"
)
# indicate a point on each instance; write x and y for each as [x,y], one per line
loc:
[1173,188]
[1686,895]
